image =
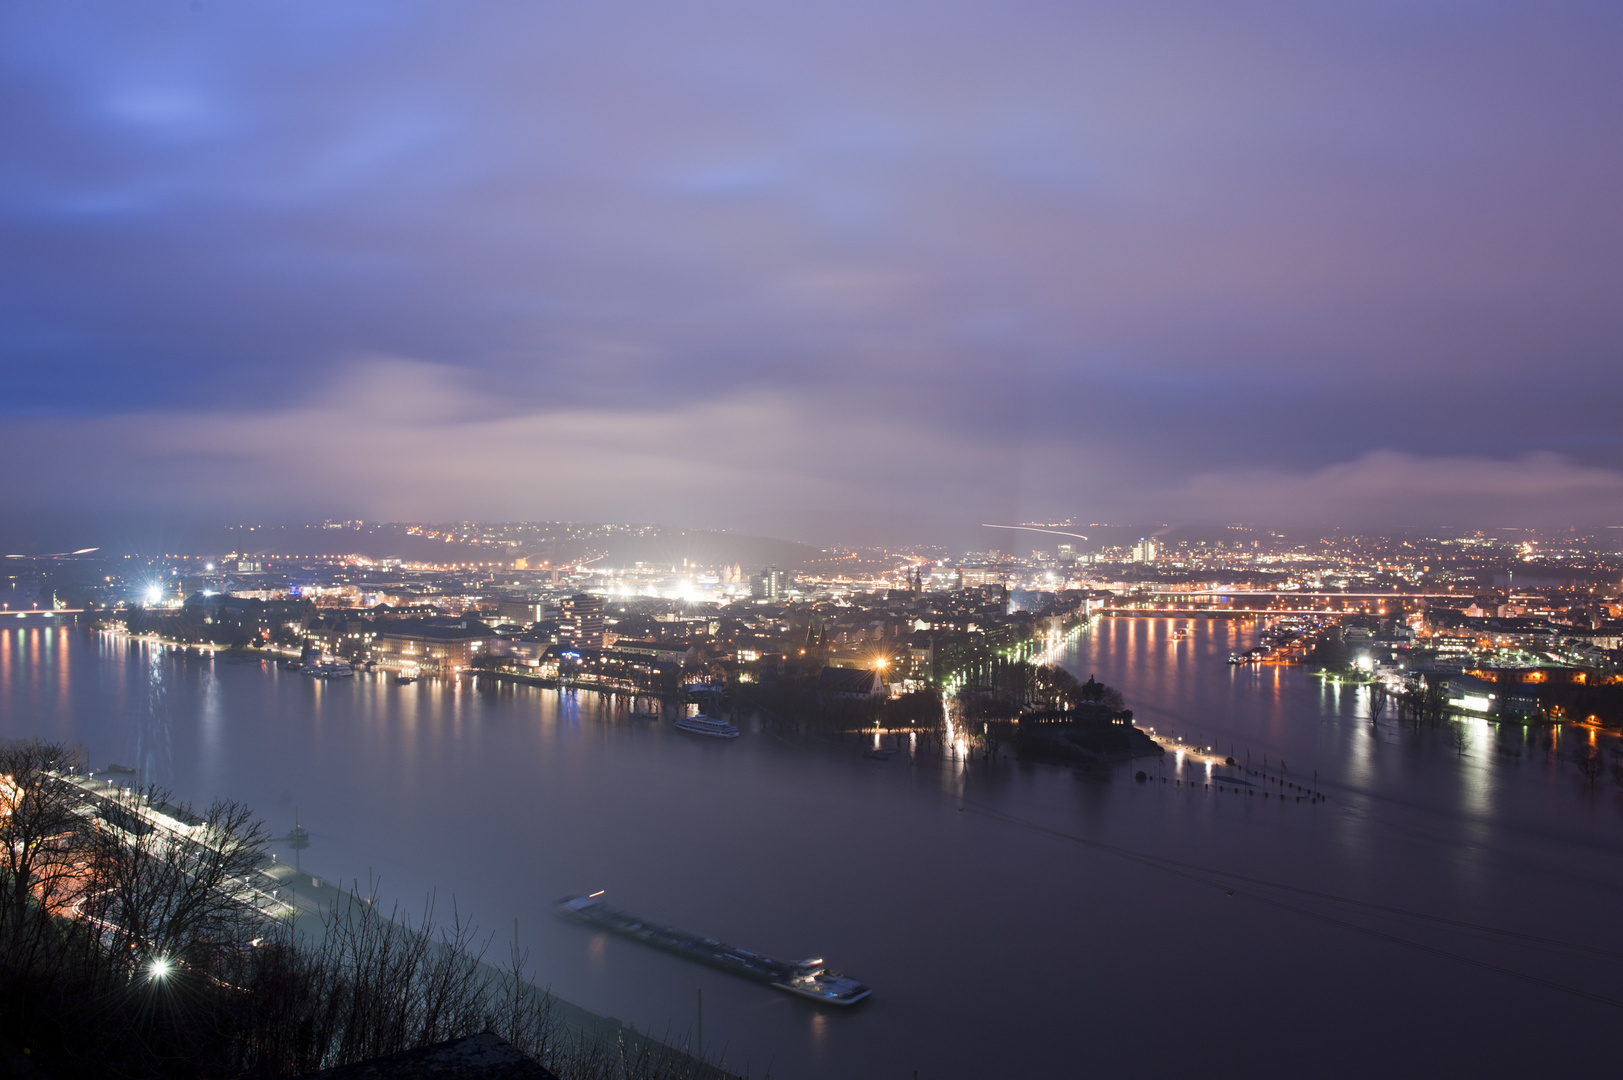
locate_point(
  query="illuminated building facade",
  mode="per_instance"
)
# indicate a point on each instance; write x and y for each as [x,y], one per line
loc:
[431,646]
[770,584]
[580,621]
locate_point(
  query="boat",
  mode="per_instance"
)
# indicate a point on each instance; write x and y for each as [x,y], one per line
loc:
[402,680]
[115,767]
[700,724]
[330,671]
[809,979]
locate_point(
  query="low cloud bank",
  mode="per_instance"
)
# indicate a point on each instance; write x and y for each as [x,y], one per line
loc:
[1387,488]
[393,439]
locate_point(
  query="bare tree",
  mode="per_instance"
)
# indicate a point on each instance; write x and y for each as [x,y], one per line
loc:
[1459,735]
[42,844]
[372,983]
[1378,695]
[174,887]
[1055,686]
[1590,763]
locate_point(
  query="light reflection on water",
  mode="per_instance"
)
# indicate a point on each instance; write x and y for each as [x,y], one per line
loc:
[969,925]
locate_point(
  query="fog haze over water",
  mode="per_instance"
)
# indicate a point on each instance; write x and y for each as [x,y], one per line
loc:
[1012,918]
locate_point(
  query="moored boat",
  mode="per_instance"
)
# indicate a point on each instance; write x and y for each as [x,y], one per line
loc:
[700,724]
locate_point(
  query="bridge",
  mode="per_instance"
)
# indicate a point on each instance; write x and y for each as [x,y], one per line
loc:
[1295,593]
[1170,612]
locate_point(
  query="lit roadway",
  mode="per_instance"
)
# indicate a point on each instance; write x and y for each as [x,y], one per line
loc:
[263,900]
[1200,755]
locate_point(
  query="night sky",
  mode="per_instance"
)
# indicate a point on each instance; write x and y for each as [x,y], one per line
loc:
[864,271]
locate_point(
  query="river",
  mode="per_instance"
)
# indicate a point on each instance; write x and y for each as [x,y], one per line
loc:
[1014,919]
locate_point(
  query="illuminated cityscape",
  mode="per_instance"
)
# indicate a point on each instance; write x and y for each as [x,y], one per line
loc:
[1402,610]
[883,541]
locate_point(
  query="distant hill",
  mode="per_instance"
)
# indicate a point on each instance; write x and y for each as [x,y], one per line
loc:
[609,544]
[705,548]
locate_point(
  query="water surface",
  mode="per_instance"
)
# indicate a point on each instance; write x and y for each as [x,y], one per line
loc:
[1014,919]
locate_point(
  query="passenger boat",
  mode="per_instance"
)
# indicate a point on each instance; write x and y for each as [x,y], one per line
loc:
[808,979]
[700,724]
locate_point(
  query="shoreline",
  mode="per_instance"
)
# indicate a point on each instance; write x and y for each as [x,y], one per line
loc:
[314,896]
[300,899]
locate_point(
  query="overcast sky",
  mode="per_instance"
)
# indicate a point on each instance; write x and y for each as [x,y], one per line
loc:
[858,271]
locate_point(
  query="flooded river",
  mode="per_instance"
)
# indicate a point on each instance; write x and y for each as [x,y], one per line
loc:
[1450,908]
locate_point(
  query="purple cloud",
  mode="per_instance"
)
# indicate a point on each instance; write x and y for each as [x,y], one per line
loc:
[1055,255]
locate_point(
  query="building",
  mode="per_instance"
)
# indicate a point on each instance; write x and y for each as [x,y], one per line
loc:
[431,646]
[342,635]
[849,684]
[580,621]
[681,653]
[522,612]
[1471,694]
[1144,551]
[770,584]
[525,652]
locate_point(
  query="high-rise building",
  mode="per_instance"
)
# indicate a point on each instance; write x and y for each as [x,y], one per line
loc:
[770,584]
[580,620]
[1144,551]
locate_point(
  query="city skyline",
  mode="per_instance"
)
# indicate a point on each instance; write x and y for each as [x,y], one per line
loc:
[867,276]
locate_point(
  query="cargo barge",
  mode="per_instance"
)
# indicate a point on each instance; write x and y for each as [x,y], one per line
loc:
[808,979]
